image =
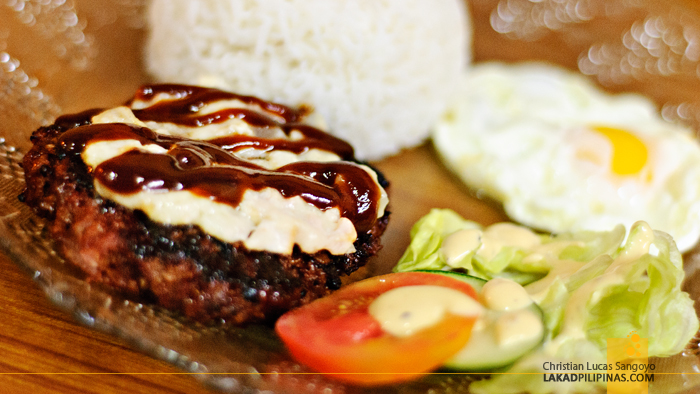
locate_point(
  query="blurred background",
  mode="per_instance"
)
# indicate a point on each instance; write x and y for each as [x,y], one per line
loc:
[66,55]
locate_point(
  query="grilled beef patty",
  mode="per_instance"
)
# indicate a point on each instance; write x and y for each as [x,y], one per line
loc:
[180,267]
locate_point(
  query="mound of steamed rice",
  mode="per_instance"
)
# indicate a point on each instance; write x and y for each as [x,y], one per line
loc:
[380,72]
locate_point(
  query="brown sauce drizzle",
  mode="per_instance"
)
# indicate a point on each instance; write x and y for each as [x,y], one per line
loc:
[190,99]
[70,121]
[209,169]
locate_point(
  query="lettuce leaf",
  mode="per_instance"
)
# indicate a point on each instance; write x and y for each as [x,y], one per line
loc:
[590,285]
[426,238]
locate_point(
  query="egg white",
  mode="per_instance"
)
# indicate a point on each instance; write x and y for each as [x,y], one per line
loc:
[529,135]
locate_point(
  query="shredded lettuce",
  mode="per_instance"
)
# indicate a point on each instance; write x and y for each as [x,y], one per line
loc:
[590,286]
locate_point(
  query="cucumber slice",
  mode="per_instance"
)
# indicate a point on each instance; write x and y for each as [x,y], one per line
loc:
[483,352]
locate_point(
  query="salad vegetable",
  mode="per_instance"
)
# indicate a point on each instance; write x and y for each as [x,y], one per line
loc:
[344,337]
[590,286]
[493,343]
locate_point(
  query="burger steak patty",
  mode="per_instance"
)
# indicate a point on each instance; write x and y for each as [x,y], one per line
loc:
[178,267]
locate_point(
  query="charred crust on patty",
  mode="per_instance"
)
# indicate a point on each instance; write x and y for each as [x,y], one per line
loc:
[179,267]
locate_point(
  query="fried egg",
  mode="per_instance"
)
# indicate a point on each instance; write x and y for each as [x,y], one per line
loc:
[562,155]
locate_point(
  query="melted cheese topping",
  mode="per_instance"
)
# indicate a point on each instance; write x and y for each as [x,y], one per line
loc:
[264,219]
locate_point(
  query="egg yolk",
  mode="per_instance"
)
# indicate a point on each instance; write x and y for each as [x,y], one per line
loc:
[629,153]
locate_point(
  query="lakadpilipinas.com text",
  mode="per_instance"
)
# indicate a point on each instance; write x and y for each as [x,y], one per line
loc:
[590,372]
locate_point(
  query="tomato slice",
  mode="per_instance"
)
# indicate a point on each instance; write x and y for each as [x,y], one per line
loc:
[337,336]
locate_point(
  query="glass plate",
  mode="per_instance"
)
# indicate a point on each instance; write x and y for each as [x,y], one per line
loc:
[229,359]
[84,54]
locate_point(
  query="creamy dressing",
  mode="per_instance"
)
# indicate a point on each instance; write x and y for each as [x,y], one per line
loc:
[562,269]
[549,251]
[403,311]
[486,346]
[508,318]
[507,328]
[487,243]
[517,327]
[572,326]
[503,295]
[572,277]
[498,235]
[505,321]
[460,244]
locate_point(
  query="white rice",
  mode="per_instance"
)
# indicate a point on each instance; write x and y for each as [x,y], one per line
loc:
[379,71]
